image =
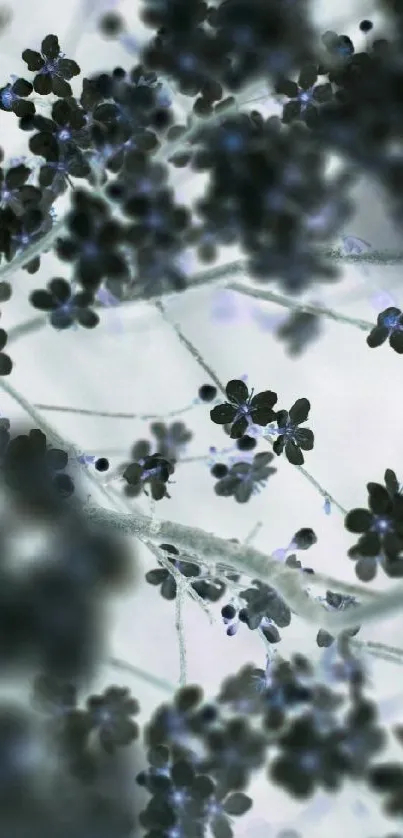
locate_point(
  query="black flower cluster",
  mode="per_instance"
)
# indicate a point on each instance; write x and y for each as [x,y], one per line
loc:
[243,409]
[260,195]
[232,42]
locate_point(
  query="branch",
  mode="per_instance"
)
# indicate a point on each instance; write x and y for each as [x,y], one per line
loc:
[111,414]
[306,308]
[181,636]
[287,581]
[190,347]
[141,674]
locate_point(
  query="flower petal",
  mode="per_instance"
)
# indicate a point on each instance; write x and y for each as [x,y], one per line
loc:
[307,76]
[287,88]
[237,391]
[304,438]
[396,342]
[358,520]
[50,47]
[299,411]
[377,336]
[33,59]
[379,500]
[133,474]
[222,414]
[60,289]
[366,569]
[293,454]
[239,427]
[237,803]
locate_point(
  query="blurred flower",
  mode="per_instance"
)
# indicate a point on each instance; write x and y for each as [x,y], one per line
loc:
[230,307]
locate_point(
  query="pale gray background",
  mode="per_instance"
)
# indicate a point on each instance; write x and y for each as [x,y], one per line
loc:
[132,368]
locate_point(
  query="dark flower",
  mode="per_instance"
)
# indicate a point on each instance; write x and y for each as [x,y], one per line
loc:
[298,331]
[243,692]
[52,69]
[290,436]
[234,751]
[263,603]
[339,49]
[243,408]
[363,735]
[155,470]
[175,724]
[66,308]
[13,97]
[380,528]
[389,325]
[305,94]
[309,759]
[110,714]
[93,241]
[31,467]
[170,439]
[161,576]
[387,780]
[15,192]
[244,479]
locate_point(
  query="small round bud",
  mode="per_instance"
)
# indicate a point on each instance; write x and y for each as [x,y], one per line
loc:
[219,470]
[246,443]
[111,24]
[102,464]
[207,393]
[366,25]
[228,612]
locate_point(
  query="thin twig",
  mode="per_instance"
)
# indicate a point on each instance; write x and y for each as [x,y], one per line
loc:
[306,308]
[115,415]
[189,346]
[141,674]
[253,533]
[181,637]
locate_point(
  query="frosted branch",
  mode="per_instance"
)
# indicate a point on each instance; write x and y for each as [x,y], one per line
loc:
[181,636]
[245,559]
